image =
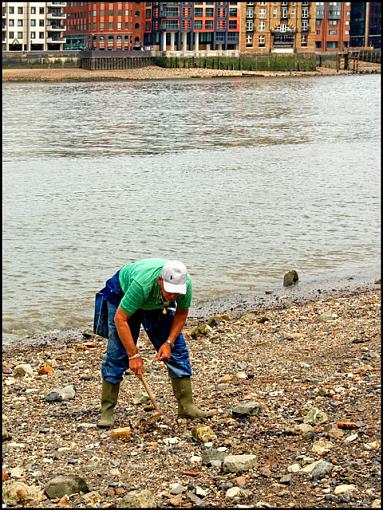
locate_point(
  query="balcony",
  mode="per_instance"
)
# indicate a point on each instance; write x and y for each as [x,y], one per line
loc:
[56,40]
[56,15]
[54,28]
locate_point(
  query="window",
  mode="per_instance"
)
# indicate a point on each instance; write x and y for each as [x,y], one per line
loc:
[101,25]
[11,10]
[102,12]
[232,25]
[119,12]
[198,12]
[347,32]
[11,35]
[262,25]
[33,10]
[137,26]
[11,22]
[110,12]
[332,44]
[94,13]
[126,25]
[19,10]
[275,13]
[102,39]
[209,13]
[41,23]
[209,24]
[137,14]
[304,40]
[198,24]
[19,22]
[110,25]
[41,35]
[33,22]
[249,39]
[119,25]
[261,41]
[41,10]
[233,12]
[249,25]
[33,35]
[332,32]
[93,26]
[19,35]
[127,13]
[110,39]
[283,27]
[305,24]
[332,22]
[262,13]
[148,13]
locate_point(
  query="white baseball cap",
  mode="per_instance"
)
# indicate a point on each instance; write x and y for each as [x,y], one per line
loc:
[174,277]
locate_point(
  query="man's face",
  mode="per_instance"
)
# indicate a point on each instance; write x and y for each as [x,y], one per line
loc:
[167,296]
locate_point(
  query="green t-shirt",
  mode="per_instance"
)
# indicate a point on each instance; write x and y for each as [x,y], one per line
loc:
[139,283]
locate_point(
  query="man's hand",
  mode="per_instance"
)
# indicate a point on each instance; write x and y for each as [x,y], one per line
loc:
[164,352]
[136,365]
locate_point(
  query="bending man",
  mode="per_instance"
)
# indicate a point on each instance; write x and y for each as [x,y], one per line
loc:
[154,293]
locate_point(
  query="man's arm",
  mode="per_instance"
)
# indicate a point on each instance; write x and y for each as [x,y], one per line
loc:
[179,320]
[121,321]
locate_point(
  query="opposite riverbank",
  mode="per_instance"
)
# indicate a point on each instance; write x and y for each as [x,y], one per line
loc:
[312,369]
[147,73]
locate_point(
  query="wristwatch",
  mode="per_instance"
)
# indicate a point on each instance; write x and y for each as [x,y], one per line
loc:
[170,343]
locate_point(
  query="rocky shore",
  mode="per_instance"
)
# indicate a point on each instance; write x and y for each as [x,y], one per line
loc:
[146,73]
[296,386]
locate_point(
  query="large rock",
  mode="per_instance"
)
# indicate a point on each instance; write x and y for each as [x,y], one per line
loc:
[60,394]
[23,369]
[203,434]
[138,499]
[19,494]
[62,484]
[248,408]
[315,417]
[237,463]
[290,278]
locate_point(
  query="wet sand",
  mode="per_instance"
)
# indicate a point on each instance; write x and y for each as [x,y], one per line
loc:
[147,73]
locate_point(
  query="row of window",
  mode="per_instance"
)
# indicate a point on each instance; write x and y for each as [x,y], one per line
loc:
[250,40]
[32,35]
[283,26]
[112,26]
[20,23]
[333,32]
[101,12]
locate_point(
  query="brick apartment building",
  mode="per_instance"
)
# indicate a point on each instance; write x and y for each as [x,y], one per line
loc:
[282,27]
[105,25]
[332,26]
[192,26]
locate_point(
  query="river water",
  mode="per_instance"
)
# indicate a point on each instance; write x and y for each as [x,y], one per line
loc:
[241,179]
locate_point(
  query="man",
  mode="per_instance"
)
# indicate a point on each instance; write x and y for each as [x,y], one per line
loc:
[156,293]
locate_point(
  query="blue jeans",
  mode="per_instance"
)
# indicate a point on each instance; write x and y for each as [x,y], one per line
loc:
[157,326]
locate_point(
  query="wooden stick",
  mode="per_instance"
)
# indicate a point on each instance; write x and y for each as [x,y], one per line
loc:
[148,391]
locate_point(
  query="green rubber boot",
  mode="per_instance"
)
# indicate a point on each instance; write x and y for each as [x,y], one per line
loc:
[108,403]
[183,392]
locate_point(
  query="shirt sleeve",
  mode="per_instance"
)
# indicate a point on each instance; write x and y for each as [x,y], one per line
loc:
[133,298]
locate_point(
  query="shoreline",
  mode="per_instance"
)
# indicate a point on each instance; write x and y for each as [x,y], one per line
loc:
[152,73]
[291,362]
[234,305]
